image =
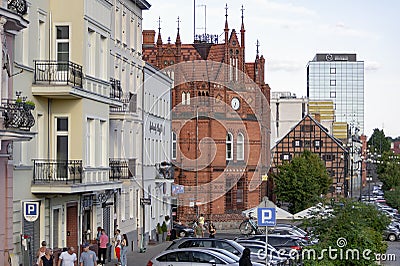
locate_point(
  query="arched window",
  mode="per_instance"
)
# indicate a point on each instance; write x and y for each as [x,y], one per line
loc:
[240,147]
[173,145]
[188,98]
[183,98]
[229,146]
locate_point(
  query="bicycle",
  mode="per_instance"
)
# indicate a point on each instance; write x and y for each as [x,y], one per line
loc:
[249,225]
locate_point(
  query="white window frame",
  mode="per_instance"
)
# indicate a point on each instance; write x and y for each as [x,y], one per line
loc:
[332,82]
[174,145]
[61,133]
[62,40]
[240,147]
[90,142]
[123,208]
[229,145]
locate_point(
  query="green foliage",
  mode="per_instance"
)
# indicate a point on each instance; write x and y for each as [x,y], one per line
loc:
[30,103]
[378,142]
[302,181]
[388,169]
[359,224]
[393,197]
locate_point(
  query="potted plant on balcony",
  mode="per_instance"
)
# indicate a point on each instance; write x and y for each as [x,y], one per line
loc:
[29,105]
[18,101]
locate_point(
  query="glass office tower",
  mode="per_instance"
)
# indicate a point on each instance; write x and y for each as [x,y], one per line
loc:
[340,78]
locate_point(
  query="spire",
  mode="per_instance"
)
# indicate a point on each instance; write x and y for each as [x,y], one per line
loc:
[178,36]
[159,40]
[257,45]
[226,30]
[242,30]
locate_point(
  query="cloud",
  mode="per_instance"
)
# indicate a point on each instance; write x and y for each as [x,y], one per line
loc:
[372,66]
[284,7]
[285,65]
[341,29]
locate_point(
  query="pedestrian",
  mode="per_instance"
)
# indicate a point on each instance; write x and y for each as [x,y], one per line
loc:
[245,258]
[41,251]
[124,250]
[198,229]
[98,234]
[68,258]
[212,230]
[202,220]
[103,240]
[47,258]
[88,257]
[117,243]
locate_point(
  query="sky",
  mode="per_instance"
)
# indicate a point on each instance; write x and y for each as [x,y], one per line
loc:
[290,33]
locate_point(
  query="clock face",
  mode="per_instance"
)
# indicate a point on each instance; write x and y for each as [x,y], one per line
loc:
[235,103]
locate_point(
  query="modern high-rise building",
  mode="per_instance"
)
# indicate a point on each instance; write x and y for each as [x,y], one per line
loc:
[340,78]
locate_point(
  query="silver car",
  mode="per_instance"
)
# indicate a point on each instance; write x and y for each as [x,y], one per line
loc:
[191,257]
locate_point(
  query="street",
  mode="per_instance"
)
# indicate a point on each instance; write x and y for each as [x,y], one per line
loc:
[392,257]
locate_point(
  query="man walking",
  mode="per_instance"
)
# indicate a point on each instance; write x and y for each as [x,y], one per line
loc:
[103,247]
[68,258]
[88,257]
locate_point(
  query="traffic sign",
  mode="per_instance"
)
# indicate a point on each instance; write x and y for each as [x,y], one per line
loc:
[31,211]
[266,216]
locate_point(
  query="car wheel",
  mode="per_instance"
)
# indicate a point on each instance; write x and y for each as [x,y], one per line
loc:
[182,234]
[392,237]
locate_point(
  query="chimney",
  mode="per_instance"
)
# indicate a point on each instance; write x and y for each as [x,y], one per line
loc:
[148,38]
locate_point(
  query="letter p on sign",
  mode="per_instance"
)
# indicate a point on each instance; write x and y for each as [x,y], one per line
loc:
[266,216]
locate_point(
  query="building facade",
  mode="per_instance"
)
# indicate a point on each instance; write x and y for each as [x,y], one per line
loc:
[157,167]
[340,78]
[81,169]
[16,119]
[216,98]
[309,134]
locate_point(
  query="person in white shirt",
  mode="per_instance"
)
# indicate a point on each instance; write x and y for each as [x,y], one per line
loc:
[68,258]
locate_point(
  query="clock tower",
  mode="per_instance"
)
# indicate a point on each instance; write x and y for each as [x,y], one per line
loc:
[220,122]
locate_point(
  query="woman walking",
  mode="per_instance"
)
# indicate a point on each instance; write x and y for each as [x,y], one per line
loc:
[47,259]
[124,250]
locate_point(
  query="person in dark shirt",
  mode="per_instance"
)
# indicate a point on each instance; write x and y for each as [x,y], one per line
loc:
[245,258]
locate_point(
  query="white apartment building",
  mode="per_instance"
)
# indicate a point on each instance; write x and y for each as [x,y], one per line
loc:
[157,168]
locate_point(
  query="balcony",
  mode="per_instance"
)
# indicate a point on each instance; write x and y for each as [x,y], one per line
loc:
[17,114]
[18,6]
[116,89]
[122,169]
[57,171]
[58,73]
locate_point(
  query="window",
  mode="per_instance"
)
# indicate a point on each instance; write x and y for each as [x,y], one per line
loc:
[318,143]
[307,143]
[91,52]
[286,157]
[333,94]
[132,102]
[183,98]
[328,157]
[333,82]
[229,144]
[307,128]
[42,39]
[123,209]
[333,70]
[90,142]
[240,147]
[62,43]
[188,98]
[297,143]
[173,145]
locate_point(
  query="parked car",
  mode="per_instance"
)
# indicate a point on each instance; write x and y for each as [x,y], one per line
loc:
[191,256]
[281,242]
[182,230]
[226,244]
[391,233]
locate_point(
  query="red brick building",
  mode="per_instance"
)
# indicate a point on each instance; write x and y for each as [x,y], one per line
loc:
[220,121]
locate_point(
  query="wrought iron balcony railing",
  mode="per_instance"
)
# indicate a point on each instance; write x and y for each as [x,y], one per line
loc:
[116,89]
[17,114]
[122,169]
[58,72]
[57,171]
[18,6]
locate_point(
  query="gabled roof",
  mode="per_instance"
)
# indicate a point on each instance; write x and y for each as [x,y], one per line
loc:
[323,129]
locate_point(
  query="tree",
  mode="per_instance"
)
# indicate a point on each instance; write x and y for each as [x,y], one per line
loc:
[351,226]
[302,181]
[378,142]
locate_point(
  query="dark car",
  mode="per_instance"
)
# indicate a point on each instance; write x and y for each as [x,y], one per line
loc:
[391,233]
[281,242]
[180,230]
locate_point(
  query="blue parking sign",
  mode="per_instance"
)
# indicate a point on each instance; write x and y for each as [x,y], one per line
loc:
[266,216]
[31,211]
